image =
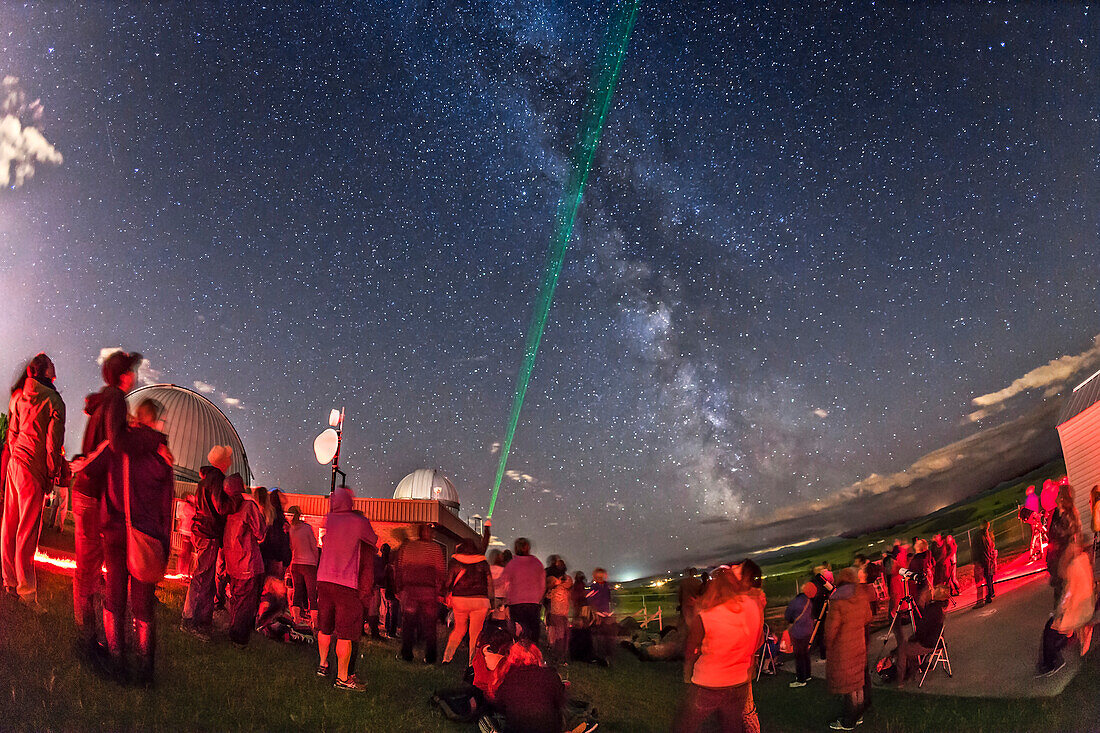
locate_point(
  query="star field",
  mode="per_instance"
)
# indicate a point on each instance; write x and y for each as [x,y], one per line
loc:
[809,239]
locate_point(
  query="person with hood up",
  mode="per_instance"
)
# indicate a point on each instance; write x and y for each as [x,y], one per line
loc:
[36,434]
[212,506]
[469,586]
[420,572]
[799,615]
[107,423]
[347,535]
[846,638]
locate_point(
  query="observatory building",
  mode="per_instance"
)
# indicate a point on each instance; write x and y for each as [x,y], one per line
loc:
[1079,432]
[194,425]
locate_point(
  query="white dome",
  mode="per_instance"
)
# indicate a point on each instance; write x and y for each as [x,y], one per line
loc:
[427,483]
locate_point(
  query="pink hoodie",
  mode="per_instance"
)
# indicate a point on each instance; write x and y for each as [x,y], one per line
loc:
[345,531]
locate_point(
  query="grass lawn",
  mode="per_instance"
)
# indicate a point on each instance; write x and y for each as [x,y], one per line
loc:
[271,686]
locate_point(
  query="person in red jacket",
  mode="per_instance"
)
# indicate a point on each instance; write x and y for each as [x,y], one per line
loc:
[36,433]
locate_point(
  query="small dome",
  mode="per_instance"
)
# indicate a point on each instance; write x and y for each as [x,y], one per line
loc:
[194,425]
[427,483]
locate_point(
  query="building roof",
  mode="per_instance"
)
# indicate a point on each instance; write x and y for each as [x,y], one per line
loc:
[428,483]
[1084,396]
[194,425]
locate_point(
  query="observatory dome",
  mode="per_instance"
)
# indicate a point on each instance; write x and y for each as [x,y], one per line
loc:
[194,425]
[428,483]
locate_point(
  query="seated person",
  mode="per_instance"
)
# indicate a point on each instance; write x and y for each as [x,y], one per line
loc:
[669,646]
[929,628]
[530,697]
[468,702]
[274,619]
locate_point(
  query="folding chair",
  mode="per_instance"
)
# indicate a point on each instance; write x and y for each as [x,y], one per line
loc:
[937,657]
[767,655]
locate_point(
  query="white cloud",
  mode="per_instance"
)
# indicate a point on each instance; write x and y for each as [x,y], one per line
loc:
[22,146]
[821,413]
[494,448]
[615,505]
[232,402]
[203,387]
[1051,377]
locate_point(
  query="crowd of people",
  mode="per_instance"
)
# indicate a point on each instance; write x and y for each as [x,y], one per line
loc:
[522,621]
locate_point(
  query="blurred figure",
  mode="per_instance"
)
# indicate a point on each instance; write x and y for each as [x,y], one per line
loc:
[558,593]
[952,565]
[718,658]
[938,552]
[897,559]
[687,594]
[469,587]
[36,434]
[1094,502]
[389,591]
[921,567]
[1073,615]
[846,631]
[1063,531]
[107,423]
[420,573]
[526,581]
[984,552]
[925,636]
[244,528]
[500,588]
[185,515]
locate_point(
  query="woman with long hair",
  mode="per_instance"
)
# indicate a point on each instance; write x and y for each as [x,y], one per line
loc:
[275,547]
[1064,530]
[719,653]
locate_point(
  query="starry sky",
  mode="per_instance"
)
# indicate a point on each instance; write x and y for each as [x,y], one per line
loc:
[812,242]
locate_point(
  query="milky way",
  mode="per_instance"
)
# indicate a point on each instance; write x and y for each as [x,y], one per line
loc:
[811,238]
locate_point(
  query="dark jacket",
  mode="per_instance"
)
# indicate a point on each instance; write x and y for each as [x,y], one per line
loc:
[846,638]
[468,576]
[800,616]
[420,569]
[212,505]
[985,552]
[106,411]
[151,486]
[930,624]
[921,567]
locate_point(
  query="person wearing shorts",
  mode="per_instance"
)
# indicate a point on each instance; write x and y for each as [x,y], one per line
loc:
[347,534]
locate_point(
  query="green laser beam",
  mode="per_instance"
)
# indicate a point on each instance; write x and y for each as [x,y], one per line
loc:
[588,138]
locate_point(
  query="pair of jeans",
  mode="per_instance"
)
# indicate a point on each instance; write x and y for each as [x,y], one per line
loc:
[801,659]
[89,560]
[198,605]
[120,586]
[418,618]
[244,600]
[24,496]
[701,703]
[528,617]
[470,612]
[852,708]
[1054,642]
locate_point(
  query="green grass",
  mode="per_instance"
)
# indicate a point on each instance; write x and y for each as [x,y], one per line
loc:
[271,686]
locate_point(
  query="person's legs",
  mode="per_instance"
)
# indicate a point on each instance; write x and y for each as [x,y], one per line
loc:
[299,602]
[428,615]
[326,624]
[198,605]
[118,586]
[1053,644]
[607,630]
[9,530]
[143,603]
[850,709]
[243,603]
[461,608]
[89,559]
[30,494]
[750,719]
[183,560]
[478,614]
[409,615]
[698,705]
[62,507]
[801,659]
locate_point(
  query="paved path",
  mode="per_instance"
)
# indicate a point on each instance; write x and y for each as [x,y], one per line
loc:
[994,649]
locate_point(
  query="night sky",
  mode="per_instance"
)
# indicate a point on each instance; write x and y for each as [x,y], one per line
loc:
[812,241]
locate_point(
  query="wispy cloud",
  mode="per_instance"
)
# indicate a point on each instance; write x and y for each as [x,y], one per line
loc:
[1052,377]
[203,387]
[822,413]
[22,146]
[494,448]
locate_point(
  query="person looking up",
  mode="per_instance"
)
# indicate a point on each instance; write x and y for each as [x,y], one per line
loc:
[35,439]
[212,507]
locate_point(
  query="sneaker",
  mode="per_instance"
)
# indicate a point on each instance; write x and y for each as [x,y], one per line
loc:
[1051,671]
[351,684]
[859,721]
[322,670]
[839,724]
[798,683]
[34,607]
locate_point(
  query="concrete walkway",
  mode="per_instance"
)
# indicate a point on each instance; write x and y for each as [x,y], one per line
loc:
[994,649]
